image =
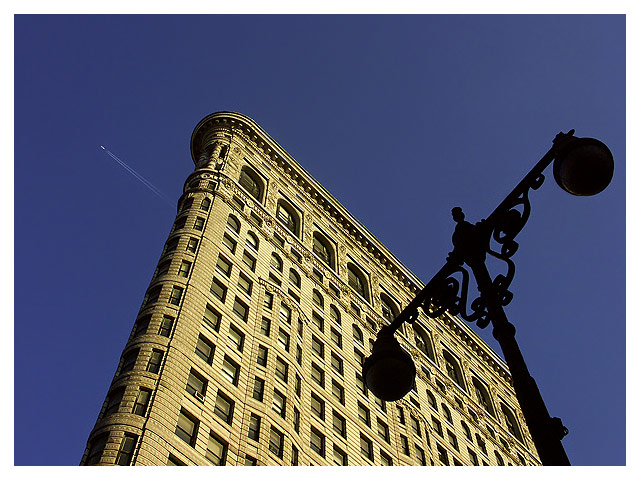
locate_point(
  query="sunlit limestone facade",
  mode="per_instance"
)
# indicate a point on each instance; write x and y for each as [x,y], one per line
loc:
[249,344]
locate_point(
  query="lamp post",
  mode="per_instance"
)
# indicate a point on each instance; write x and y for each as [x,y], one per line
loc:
[582,166]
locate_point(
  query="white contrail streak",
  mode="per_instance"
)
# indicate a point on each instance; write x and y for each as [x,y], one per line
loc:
[143,180]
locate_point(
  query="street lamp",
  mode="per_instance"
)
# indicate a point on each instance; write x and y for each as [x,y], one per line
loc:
[582,166]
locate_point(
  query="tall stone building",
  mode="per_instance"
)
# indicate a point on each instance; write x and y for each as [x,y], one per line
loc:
[249,344]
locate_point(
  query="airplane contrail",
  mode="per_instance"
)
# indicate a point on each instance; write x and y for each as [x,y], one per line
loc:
[143,180]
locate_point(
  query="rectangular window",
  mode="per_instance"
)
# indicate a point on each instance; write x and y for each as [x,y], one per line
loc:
[360,384]
[179,223]
[230,370]
[262,355]
[276,442]
[285,313]
[171,245]
[113,403]
[205,349]
[228,242]
[383,431]
[381,404]
[336,337]
[339,457]
[474,458]
[141,325]
[185,268]
[192,245]
[268,301]
[422,459]
[224,408]
[249,261]
[254,427]
[174,462]
[363,414]
[240,309]
[142,402]
[415,426]
[186,205]
[216,450]
[249,461]
[294,456]
[258,389]
[245,284]
[166,326]
[317,374]
[437,426]
[212,318]
[366,447]
[125,452]
[199,223]
[176,295]
[224,266]
[298,385]
[265,327]
[453,441]
[337,391]
[293,295]
[282,370]
[196,385]
[153,294]
[296,419]
[283,339]
[385,460]
[317,346]
[318,321]
[236,337]
[359,357]
[163,268]
[404,443]
[317,276]
[279,403]
[400,415]
[218,290]
[187,427]
[299,354]
[317,406]
[339,424]
[316,442]
[154,361]
[443,456]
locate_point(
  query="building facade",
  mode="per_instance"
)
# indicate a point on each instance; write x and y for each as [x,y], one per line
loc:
[249,344]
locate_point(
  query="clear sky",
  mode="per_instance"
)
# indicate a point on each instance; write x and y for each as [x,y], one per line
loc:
[401,118]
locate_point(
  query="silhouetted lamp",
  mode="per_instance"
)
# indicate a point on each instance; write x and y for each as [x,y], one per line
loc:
[389,372]
[583,166]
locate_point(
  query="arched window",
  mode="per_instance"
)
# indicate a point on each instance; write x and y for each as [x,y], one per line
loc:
[276,262]
[453,369]
[288,217]
[294,278]
[422,341]
[233,224]
[334,314]
[252,240]
[357,281]
[357,335]
[510,420]
[432,400]
[251,182]
[447,413]
[389,307]
[322,248]
[318,301]
[482,396]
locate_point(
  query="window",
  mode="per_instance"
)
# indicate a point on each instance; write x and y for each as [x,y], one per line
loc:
[359,356]
[166,326]
[185,267]
[236,337]
[216,450]
[453,441]
[278,239]
[336,337]
[223,265]
[422,341]
[383,430]
[276,262]
[467,431]
[187,427]
[322,248]
[453,369]
[249,261]
[113,403]
[415,425]
[206,203]
[389,307]
[224,407]
[482,396]
[245,284]
[360,384]
[381,404]
[400,415]
[385,460]
[187,204]
[199,224]
[154,361]
[240,309]
[171,245]
[499,460]
[404,443]
[354,309]
[437,426]
[432,400]
[337,364]
[228,242]
[249,461]
[357,335]
[318,321]
[300,327]
[285,313]
[153,294]
[252,240]
[192,245]
[294,456]
[473,457]
[334,314]
[366,447]
[316,275]
[339,424]
[282,369]
[254,427]
[250,181]
[299,354]
[357,281]
[237,202]
[298,385]
[125,452]
[218,290]
[230,370]
[275,280]
[421,457]
[317,375]
[286,215]
[317,346]
[196,385]
[510,421]
[179,223]
[142,402]
[233,224]
[96,449]
[443,456]
[279,403]
[316,442]
[268,301]
[205,349]
[363,414]
[258,389]
[337,391]
[339,457]
[141,325]
[265,326]
[262,355]
[176,295]
[294,278]
[283,339]
[447,413]
[317,406]
[296,419]
[276,442]
[318,301]
[163,268]
[481,444]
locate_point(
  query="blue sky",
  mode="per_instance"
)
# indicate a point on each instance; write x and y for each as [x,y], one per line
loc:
[400,117]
